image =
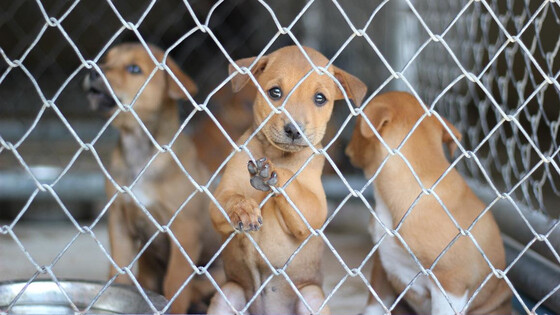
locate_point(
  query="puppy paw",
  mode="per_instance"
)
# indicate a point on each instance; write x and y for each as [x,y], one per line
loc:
[246,215]
[262,178]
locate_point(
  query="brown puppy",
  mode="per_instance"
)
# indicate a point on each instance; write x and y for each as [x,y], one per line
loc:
[163,187]
[234,112]
[427,229]
[276,227]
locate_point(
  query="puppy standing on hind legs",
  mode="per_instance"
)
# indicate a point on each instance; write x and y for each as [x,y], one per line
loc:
[163,187]
[427,229]
[282,151]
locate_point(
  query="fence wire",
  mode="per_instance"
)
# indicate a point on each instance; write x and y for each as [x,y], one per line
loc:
[510,48]
[493,56]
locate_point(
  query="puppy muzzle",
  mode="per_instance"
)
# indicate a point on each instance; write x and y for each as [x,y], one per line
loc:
[290,139]
[97,94]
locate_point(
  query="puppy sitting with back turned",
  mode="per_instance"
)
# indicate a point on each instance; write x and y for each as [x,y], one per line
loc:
[427,229]
[280,150]
[163,187]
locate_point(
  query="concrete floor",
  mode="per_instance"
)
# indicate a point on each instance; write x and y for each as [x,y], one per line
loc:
[84,259]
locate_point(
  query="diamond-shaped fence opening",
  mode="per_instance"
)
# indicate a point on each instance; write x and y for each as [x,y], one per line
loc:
[156,215]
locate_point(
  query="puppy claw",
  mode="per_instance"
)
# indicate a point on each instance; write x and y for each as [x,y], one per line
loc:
[245,215]
[253,227]
[252,168]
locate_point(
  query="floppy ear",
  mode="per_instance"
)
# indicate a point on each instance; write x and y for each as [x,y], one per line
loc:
[173,89]
[354,87]
[240,80]
[446,137]
[379,115]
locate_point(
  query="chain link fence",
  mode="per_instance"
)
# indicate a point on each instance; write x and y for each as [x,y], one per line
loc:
[488,66]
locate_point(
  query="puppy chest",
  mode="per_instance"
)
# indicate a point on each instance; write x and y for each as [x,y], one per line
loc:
[400,266]
[137,221]
[138,217]
[143,194]
[395,259]
[277,249]
[279,244]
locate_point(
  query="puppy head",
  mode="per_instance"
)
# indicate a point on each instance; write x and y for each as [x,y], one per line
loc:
[310,104]
[127,68]
[393,115]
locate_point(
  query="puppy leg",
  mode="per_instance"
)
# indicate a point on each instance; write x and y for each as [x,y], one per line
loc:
[234,294]
[302,191]
[314,297]
[122,244]
[178,269]
[380,283]
[148,277]
[441,305]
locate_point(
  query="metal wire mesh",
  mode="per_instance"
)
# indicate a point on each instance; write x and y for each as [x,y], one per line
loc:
[510,46]
[494,57]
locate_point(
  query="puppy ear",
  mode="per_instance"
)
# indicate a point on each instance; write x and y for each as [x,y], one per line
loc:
[447,139]
[379,116]
[354,87]
[240,80]
[173,89]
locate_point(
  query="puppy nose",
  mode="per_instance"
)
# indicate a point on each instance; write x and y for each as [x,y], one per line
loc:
[93,75]
[291,131]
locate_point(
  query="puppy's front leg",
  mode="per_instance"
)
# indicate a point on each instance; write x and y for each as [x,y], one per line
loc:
[454,297]
[304,191]
[234,294]
[380,284]
[122,245]
[149,276]
[178,268]
[314,297]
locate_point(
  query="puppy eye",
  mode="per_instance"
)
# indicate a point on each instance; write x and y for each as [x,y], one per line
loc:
[275,93]
[320,99]
[133,69]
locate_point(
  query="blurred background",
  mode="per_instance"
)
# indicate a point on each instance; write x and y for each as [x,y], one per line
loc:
[493,59]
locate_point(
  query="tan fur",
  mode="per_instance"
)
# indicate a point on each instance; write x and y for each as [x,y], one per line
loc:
[282,229]
[428,229]
[235,114]
[163,187]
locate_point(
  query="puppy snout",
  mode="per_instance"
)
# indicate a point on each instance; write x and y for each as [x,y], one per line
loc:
[291,131]
[93,75]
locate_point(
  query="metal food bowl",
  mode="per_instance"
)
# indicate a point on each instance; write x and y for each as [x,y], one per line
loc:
[45,297]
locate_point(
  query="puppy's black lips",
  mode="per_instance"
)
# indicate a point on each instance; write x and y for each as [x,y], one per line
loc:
[291,144]
[281,142]
[290,147]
